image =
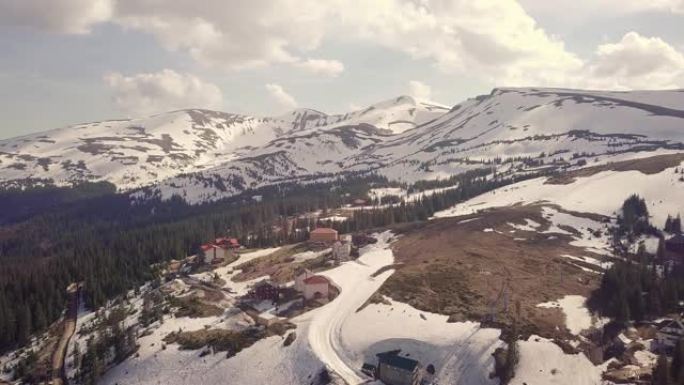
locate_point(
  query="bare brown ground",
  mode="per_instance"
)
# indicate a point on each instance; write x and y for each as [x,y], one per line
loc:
[451,266]
[279,265]
[650,165]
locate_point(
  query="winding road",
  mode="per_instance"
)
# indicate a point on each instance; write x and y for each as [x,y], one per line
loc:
[356,283]
[59,355]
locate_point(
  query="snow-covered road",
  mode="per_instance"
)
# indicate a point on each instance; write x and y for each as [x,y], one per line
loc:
[356,285]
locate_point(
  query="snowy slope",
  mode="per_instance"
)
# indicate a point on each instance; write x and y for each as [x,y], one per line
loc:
[141,152]
[132,153]
[542,124]
[204,155]
[602,193]
[511,129]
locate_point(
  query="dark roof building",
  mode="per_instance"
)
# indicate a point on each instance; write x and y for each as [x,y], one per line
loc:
[394,369]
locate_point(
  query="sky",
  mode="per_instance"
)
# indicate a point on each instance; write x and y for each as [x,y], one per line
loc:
[70,61]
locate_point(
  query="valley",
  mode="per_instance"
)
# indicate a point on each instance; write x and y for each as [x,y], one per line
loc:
[519,221]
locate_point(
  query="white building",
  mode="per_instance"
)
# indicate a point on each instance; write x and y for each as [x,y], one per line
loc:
[341,251]
[215,253]
[300,276]
[317,287]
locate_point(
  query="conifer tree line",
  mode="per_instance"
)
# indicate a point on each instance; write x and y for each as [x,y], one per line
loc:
[639,287]
[111,245]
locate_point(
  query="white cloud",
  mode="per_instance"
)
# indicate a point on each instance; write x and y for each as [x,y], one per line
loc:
[582,9]
[63,16]
[636,62]
[148,93]
[495,41]
[420,90]
[235,34]
[280,96]
[332,68]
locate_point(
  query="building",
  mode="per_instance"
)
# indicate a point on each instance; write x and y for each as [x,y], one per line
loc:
[341,251]
[394,369]
[300,275]
[316,287]
[215,253]
[669,332]
[323,235]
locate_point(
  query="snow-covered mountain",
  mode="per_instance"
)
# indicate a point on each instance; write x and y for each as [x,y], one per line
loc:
[141,152]
[515,130]
[205,155]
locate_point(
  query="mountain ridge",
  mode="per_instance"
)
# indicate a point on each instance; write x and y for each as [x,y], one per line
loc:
[190,152]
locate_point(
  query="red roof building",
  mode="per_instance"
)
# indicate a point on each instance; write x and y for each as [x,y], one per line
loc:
[316,279]
[232,243]
[317,288]
[323,234]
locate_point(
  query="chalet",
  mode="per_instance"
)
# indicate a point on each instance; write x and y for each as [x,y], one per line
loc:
[265,290]
[316,287]
[300,275]
[323,235]
[394,369]
[669,332]
[215,253]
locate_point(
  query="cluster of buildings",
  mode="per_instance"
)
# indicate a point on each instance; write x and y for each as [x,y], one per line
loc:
[328,237]
[268,299]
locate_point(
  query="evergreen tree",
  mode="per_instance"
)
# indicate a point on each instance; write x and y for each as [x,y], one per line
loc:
[677,368]
[661,372]
[676,225]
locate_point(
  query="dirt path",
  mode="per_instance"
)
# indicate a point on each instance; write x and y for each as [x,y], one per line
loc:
[59,355]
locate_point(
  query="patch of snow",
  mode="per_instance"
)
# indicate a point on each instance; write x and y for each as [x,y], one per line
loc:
[577,316]
[544,362]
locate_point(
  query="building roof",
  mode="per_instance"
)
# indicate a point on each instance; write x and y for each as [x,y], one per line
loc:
[316,279]
[392,358]
[324,230]
[227,241]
